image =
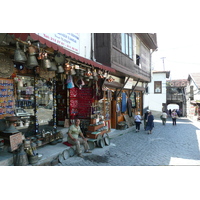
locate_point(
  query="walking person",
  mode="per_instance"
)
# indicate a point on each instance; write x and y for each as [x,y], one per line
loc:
[150,123]
[174,117]
[163,117]
[170,112]
[145,118]
[138,119]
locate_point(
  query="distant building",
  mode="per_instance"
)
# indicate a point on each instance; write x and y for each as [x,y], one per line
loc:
[155,95]
[193,96]
[176,94]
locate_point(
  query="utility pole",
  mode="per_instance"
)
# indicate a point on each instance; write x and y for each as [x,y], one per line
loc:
[163,58]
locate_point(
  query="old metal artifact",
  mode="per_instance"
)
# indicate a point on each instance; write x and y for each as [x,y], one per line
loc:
[19,55]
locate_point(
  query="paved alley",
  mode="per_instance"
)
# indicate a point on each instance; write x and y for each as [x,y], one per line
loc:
[167,145]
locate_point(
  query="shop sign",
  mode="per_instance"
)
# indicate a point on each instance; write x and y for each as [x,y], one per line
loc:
[69,41]
[15,140]
[129,83]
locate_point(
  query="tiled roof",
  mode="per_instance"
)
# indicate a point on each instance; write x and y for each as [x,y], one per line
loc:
[196,78]
[177,83]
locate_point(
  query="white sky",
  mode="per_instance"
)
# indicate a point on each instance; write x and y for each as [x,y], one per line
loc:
[181,51]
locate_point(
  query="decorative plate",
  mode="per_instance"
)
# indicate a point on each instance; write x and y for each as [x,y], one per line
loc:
[65,154]
[60,158]
[6,66]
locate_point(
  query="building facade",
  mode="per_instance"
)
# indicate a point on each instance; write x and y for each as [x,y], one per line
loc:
[155,97]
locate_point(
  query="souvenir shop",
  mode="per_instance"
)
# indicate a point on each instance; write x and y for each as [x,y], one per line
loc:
[43,86]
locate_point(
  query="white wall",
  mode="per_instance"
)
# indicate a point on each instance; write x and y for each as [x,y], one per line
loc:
[85,45]
[154,101]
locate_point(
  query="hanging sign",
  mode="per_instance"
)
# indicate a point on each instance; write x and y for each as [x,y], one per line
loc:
[69,41]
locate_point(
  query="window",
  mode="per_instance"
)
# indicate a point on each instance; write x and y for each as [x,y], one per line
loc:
[191,92]
[127,44]
[157,87]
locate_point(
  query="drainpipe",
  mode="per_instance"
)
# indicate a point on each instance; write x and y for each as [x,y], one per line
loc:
[92,47]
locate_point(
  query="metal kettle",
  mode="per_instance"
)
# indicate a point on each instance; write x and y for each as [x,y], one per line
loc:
[19,55]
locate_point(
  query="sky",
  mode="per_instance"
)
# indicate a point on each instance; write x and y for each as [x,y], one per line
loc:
[178,52]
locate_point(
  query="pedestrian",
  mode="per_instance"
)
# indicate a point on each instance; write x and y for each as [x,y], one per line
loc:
[150,123]
[163,117]
[170,112]
[174,117]
[74,139]
[145,118]
[138,119]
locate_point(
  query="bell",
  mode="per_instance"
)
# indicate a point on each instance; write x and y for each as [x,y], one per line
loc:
[60,69]
[32,62]
[19,55]
[46,62]
[73,72]
[53,67]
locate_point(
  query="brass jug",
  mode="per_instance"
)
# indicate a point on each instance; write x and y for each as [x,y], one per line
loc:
[19,55]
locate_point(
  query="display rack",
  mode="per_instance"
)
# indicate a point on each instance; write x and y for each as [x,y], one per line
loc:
[7,100]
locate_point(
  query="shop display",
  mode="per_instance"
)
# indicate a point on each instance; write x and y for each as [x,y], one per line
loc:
[7,103]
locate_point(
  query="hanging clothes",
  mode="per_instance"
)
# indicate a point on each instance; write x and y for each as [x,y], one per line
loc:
[129,107]
[124,102]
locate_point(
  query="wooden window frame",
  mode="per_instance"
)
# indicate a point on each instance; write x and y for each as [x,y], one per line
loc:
[159,84]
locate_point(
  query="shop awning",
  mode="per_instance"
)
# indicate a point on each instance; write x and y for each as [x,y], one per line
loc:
[23,36]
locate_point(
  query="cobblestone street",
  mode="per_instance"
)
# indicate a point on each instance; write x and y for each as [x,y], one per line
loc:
[167,145]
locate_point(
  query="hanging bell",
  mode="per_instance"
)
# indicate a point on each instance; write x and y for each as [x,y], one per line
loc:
[31,62]
[46,62]
[19,55]
[53,67]
[60,69]
[72,71]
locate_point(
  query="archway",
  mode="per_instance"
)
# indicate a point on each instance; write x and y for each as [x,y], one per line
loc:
[172,106]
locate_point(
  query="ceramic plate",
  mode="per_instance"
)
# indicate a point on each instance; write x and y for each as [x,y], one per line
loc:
[101,143]
[65,154]
[99,137]
[60,158]
[107,141]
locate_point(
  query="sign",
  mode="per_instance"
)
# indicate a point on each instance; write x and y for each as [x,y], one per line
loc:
[129,83]
[70,41]
[15,140]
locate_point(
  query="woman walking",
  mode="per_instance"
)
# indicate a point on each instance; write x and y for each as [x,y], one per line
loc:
[138,119]
[150,123]
[174,117]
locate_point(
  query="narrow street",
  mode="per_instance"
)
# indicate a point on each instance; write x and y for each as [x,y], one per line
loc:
[167,146]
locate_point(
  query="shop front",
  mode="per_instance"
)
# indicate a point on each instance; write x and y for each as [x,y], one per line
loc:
[44,86]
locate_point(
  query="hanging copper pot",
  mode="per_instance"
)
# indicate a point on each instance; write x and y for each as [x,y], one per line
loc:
[31,62]
[19,55]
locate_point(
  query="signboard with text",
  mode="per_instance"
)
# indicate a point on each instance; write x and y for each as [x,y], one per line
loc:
[69,41]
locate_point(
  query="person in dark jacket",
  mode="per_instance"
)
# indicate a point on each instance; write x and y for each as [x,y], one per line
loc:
[145,118]
[150,123]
